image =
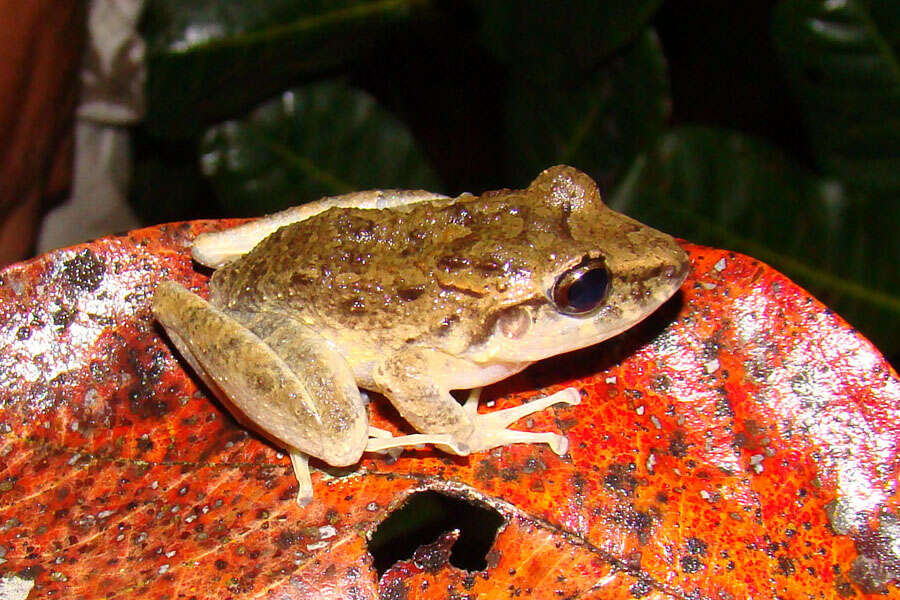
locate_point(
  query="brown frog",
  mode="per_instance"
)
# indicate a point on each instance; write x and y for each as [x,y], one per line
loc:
[412,294]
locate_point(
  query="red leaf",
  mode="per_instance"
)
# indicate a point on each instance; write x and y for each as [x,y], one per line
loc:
[743,442]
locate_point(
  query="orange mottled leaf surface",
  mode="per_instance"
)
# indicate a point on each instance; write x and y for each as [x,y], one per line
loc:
[740,443]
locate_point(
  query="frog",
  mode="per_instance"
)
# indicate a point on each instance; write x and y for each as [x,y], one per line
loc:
[412,295]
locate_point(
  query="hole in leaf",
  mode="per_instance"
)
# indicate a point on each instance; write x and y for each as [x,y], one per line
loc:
[423,518]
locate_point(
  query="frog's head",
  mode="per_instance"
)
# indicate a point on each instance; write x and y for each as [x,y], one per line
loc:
[601,272]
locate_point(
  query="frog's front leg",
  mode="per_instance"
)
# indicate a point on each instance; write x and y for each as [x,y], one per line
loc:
[412,381]
[273,372]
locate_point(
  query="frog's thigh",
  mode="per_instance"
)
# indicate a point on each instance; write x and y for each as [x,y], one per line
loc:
[303,395]
[221,247]
[408,380]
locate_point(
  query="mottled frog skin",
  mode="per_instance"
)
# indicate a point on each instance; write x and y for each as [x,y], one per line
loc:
[411,294]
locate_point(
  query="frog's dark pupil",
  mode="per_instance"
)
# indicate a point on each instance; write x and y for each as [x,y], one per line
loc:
[582,289]
[589,290]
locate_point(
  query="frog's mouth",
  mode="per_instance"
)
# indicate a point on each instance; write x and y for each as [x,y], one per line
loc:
[559,333]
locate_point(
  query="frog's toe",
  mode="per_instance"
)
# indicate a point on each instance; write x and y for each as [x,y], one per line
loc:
[488,439]
[300,462]
[446,442]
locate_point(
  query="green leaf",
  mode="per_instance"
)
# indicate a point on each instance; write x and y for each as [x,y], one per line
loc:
[313,141]
[167,184]
[598,122]
[843,65]
[555,40]
[209,60]
[728,190]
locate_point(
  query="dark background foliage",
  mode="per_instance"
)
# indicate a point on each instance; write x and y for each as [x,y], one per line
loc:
[770,128]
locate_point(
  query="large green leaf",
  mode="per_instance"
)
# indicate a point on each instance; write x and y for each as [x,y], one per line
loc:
[312,141]
[728,190]
[209,60]
[167,183]
[844,67]
[598,122]
[555,40]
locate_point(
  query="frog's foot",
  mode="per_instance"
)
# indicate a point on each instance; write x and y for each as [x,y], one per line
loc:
[300,462]
[491,428]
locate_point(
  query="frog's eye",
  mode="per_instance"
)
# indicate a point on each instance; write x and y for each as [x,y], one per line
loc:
[583,288]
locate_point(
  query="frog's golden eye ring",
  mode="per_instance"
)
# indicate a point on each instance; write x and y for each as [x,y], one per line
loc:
[582,289]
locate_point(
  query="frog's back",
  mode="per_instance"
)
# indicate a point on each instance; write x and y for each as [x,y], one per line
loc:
[377,269]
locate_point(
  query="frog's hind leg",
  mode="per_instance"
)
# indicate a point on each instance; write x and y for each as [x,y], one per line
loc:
[273,374]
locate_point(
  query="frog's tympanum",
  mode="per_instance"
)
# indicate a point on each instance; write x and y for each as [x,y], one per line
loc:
[411,294]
